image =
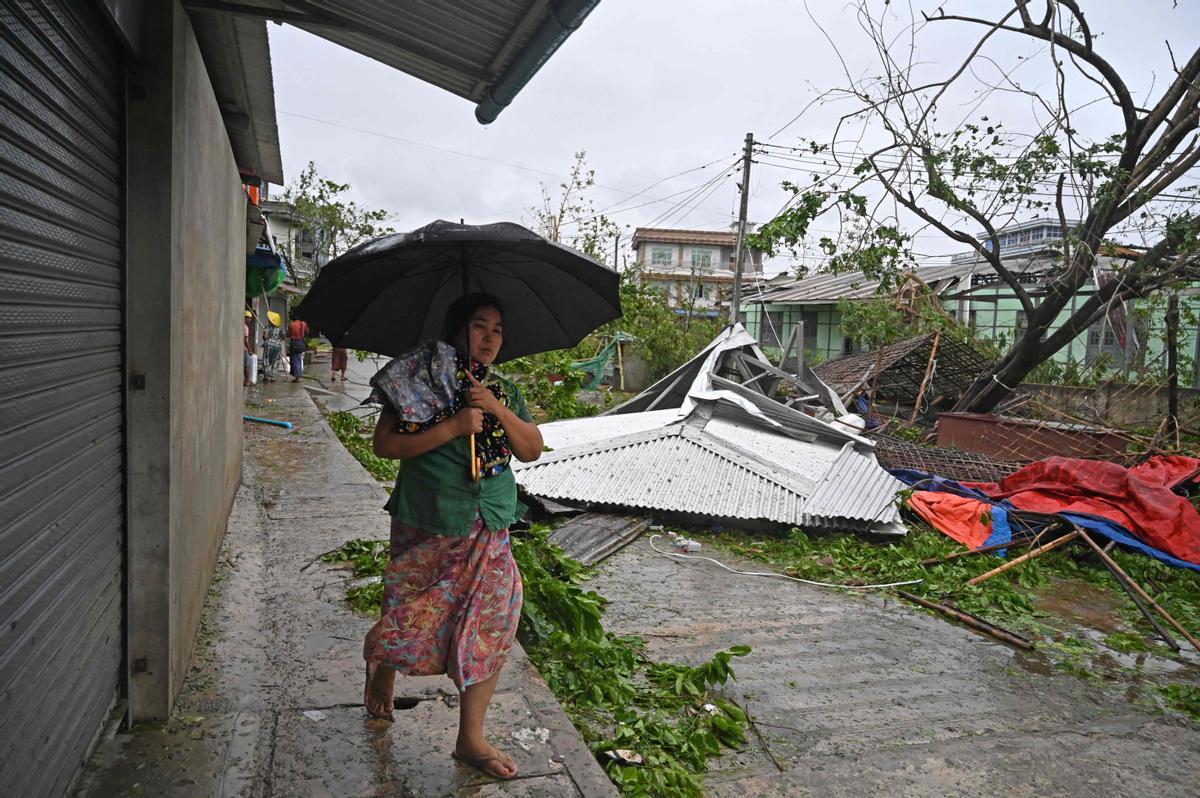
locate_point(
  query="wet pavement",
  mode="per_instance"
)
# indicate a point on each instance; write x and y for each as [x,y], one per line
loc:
[860,695]
[272,705]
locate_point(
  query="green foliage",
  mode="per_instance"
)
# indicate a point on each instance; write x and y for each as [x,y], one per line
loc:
[571,218]
[367,559]
[356,435]
[880,321]
[549,382]
[618,698]
[1072,373]
[879,251]
[335,223]
[1183,698]
[664,339]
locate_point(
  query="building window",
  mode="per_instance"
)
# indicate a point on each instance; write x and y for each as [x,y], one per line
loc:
[660,256]
[702,259]
[770,325]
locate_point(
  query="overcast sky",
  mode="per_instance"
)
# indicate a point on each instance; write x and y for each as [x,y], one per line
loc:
[649,89]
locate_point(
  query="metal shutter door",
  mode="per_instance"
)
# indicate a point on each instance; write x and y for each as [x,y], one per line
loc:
[61,429]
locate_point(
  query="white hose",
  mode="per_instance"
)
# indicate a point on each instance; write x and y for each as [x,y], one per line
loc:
[781,576]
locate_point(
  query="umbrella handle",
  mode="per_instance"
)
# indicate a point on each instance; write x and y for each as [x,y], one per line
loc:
[474,462]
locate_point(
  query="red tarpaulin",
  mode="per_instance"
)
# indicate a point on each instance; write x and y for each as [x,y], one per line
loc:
[1139,498]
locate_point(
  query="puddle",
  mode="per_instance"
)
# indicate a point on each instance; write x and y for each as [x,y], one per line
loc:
[1082,603]
[1081,617]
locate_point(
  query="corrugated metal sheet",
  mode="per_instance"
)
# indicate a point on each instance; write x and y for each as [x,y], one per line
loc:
[461,47]
[592,537]
[61,393]
[718,469]
[823,288]
[577,431]
[667,470]
[854,488]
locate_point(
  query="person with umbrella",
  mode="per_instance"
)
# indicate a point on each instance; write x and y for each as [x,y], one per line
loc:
[452,593]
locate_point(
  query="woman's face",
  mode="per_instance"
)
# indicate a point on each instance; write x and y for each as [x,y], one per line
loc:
[484,334]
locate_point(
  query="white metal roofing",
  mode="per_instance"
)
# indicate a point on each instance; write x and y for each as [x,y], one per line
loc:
[824,288]
[723,451]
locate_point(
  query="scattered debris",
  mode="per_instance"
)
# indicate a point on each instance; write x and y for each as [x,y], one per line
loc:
[623,756]
[526,737]
[591,537]
[907,371]
[315,714]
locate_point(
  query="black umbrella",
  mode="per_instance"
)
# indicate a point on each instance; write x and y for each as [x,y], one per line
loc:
[390,294]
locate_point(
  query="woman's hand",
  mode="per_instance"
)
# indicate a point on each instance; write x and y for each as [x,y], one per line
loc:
[468,421]
[482,398]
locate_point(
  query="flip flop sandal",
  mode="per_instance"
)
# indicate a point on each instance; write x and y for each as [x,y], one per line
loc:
[388,716]
[480,763]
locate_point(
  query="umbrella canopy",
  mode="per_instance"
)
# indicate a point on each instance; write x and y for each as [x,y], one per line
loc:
[389,294]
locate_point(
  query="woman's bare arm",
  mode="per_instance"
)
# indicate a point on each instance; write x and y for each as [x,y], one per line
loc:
[389,442]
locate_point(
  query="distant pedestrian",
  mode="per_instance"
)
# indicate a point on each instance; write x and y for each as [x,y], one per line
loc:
[452,592]
[297,333]
[247,350]
[339,362]
[272,346]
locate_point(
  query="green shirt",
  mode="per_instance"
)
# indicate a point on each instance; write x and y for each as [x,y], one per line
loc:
[434,491]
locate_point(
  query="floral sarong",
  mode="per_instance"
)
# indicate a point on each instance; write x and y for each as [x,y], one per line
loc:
[450,605]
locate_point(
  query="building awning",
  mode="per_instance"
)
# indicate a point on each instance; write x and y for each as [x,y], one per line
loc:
[480,50]
[237,56]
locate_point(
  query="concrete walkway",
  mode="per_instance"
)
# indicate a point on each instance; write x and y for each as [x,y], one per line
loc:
[273,703]
[854,696]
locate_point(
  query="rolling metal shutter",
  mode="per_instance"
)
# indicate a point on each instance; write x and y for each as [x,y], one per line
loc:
[61,407]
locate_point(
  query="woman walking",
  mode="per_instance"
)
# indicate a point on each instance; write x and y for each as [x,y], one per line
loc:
[452,593]
[338,361]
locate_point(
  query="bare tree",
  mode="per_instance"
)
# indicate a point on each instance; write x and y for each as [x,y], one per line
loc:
[571,217]
[905,157]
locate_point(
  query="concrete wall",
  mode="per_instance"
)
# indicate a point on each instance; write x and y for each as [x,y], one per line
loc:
[184,324]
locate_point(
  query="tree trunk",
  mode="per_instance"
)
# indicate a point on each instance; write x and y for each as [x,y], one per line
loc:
[996,384]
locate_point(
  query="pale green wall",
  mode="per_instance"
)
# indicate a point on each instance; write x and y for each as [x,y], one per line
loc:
[995,315]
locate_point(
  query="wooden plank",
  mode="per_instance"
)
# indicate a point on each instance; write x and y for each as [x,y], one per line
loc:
[592,537]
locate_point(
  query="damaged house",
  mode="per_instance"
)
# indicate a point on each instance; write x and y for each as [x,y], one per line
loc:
[710,443]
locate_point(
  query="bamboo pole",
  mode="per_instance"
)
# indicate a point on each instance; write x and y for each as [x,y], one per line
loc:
[970,620]
[1038,552]
[1012,544]
[1122,576]
[937,339]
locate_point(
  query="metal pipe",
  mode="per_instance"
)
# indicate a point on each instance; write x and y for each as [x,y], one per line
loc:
[563,18]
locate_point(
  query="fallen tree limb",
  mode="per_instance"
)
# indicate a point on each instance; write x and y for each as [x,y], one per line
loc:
[973,621]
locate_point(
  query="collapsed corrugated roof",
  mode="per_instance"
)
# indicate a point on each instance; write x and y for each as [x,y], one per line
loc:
[719,451]
[897,371]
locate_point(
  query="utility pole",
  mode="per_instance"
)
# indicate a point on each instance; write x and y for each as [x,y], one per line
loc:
[739,258]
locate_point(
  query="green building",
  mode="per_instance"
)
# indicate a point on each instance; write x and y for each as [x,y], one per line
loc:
[1131,338]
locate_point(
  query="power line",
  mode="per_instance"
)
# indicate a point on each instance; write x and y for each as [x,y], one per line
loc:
[983,190]
[493,161]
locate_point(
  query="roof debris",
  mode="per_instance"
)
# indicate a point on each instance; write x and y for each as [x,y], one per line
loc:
[897,371]
[709,443]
